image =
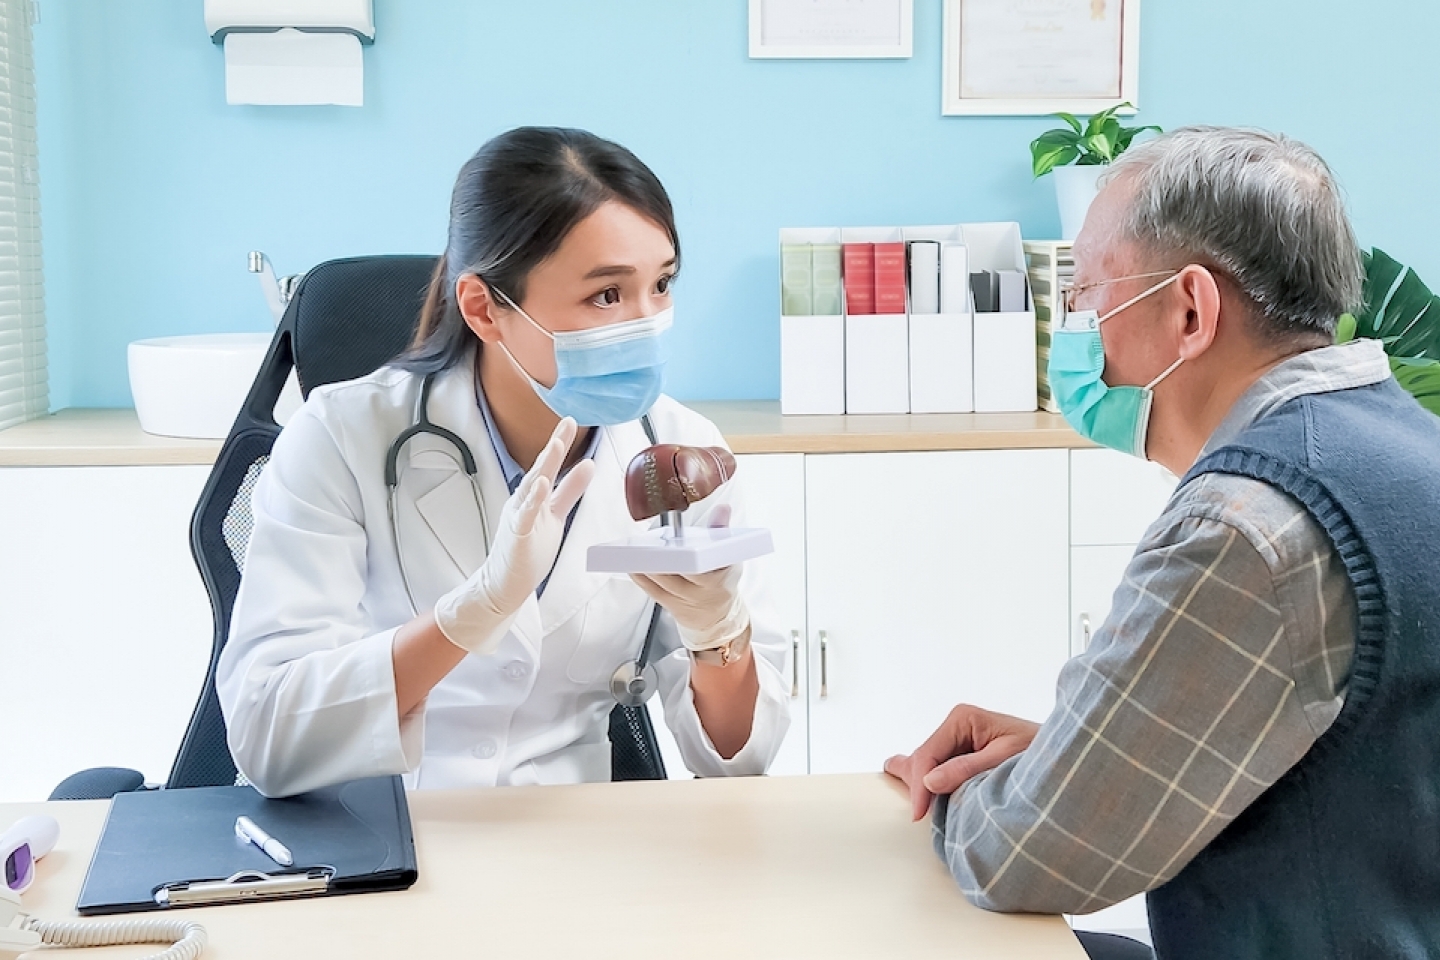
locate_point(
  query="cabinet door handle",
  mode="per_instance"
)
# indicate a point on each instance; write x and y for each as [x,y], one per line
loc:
[824,665]
[1084,632]
[794,664]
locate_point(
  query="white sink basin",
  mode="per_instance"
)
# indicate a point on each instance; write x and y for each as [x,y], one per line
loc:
[193,386]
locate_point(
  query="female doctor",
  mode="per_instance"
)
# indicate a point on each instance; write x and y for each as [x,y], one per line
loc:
[464,643]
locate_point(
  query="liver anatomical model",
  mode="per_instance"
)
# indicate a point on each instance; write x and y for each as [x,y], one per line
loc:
[669,476]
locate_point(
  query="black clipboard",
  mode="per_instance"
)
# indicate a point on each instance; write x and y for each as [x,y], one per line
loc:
[164,849]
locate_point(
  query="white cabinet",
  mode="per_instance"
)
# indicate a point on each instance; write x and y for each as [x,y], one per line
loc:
[913,581]
[1095,572]
[1113,499]
[932,579]
[773,486]
[106,626]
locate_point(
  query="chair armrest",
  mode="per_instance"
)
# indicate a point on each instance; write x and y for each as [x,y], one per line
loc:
[98,783]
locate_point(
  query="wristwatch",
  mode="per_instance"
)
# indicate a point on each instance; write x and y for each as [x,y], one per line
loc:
[725,654]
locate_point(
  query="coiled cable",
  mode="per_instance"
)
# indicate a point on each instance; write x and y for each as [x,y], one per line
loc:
[187,938]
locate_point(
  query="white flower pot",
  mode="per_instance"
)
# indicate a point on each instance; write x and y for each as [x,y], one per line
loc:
[1075,187]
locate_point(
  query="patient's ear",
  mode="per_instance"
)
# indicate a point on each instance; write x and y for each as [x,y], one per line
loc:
[1199,293]
[478,308]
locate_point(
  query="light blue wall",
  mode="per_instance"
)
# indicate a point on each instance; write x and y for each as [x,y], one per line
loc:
[153,189]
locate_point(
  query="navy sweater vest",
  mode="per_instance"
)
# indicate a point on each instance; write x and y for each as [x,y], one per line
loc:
[1340,859]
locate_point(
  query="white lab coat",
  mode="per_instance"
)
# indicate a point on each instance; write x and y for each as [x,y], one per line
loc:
[306,682]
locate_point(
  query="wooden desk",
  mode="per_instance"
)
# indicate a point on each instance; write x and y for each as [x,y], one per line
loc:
[783,867]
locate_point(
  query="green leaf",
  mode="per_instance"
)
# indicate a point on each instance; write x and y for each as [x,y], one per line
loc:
[1052,157]
[1399,308]
[1423,383]
[1060,138]
[1101,146]
[1099,120]
[1345,329]
[1070,119]
[1053,148]
[1128,135]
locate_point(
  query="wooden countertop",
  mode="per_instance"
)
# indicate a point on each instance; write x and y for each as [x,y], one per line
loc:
[79,437]
[88,437]
[757,426]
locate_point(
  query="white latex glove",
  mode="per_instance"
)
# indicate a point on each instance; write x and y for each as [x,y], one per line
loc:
[706,606]
[476,614]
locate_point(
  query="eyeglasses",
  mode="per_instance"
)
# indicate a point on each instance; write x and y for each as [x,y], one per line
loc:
[1069,291]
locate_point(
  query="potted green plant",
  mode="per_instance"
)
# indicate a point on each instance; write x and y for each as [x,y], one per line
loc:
[1402,313]
[1076,154]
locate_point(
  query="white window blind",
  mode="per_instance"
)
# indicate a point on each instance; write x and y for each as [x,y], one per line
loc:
[24,392]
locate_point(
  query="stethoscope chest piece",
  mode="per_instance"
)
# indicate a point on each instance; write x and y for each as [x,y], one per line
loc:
[631,685]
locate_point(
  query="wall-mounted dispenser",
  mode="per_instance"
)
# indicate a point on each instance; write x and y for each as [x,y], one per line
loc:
[292,52]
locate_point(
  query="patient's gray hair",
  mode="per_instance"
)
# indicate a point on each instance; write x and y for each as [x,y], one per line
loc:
[1262,207]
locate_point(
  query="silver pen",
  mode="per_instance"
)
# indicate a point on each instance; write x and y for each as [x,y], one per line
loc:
[246,829]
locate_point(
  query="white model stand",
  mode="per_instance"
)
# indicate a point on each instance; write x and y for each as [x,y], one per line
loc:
[689,550]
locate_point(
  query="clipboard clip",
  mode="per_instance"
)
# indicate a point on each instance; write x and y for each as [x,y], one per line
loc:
[245,886]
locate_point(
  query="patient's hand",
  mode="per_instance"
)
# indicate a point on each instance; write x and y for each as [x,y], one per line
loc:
[970,741]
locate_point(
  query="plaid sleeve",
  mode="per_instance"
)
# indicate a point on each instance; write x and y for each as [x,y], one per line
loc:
[1181,713]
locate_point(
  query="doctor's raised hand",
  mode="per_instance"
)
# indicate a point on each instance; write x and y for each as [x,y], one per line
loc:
[475,615]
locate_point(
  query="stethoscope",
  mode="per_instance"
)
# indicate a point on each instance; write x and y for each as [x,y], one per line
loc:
[633,681]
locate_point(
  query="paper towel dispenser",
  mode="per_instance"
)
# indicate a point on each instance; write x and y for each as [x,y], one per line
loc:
[223,17]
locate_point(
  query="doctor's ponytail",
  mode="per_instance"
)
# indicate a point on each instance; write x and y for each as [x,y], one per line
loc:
[513,204]
[432,313]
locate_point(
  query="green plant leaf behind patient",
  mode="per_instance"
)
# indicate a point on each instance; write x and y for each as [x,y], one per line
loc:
[1401,313]
[1398,308]
[1345,328]
[1421,379]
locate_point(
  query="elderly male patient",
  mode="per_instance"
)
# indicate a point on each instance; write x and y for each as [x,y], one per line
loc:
[1253,736]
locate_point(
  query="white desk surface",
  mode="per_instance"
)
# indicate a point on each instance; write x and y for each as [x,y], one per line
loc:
[780,867]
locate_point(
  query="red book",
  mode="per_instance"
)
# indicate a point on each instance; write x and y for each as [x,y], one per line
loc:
[859,277]
[890,278]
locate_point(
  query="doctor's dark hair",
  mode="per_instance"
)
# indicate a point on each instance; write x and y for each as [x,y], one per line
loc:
[513,204]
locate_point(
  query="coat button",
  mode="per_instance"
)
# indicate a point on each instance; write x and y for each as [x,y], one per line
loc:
[484,750]
[517,670]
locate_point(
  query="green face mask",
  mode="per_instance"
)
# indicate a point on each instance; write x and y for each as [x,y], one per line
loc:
[1114,417]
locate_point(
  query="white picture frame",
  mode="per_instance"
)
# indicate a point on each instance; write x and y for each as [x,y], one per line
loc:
[1072,61]
[832,29]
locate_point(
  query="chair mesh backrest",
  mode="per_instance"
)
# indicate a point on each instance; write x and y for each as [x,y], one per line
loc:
[634,754]
[346,319]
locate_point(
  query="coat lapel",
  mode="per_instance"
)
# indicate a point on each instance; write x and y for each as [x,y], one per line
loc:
[447,504]
[601,517]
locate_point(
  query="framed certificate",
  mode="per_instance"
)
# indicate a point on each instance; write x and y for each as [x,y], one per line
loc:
[831,29]
[1040,56]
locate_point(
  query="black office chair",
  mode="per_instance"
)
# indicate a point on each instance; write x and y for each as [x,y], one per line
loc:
[347,318]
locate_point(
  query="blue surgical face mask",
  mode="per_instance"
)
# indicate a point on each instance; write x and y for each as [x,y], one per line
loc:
[604,375]
[1115,417]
